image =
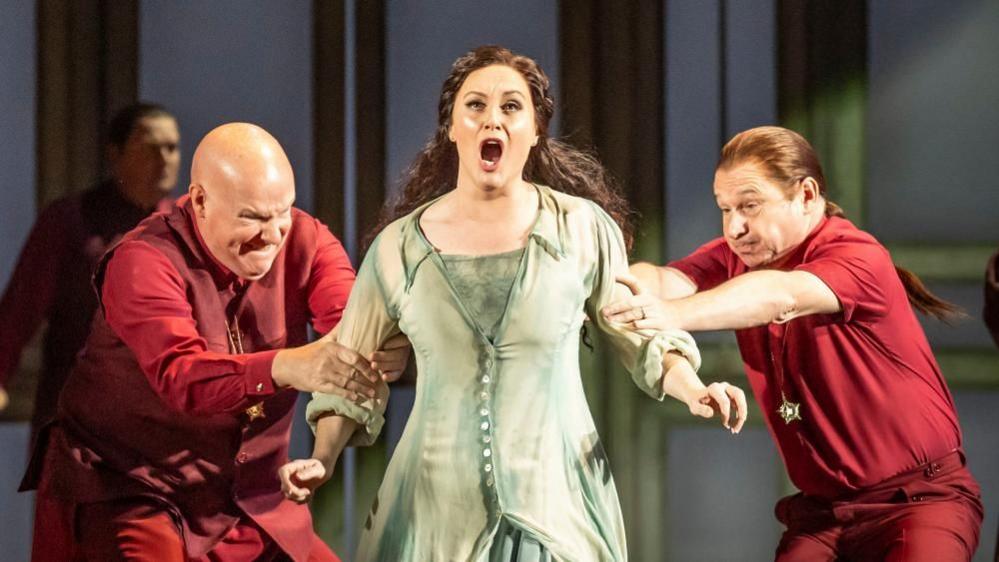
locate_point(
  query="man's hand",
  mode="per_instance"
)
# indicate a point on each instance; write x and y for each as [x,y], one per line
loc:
[392,358]
[326,366]
[642,310]
[4,399]
[300,478]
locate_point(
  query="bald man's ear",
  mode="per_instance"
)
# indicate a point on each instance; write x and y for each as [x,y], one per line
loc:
[197,193]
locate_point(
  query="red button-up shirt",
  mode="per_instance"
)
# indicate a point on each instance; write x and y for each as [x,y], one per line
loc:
[165,399]
[873,401]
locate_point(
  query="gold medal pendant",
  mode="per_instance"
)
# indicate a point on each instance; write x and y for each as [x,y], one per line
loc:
[788,410]
[256,411]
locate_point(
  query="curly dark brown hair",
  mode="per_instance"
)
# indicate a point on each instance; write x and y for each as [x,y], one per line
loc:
[552,162]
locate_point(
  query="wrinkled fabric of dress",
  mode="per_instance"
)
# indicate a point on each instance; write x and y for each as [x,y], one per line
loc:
[500,453]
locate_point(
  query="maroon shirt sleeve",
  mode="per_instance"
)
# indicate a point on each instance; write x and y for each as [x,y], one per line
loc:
[856,270]
[331,280]
[32,287]
[145,304]
[707,267]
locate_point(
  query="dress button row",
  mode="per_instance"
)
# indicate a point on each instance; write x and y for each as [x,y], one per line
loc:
[484,412]
[485,379]
[487,453]
[484,426]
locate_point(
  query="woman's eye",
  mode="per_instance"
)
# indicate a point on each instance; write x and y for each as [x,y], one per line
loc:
[511,106]
[475,105]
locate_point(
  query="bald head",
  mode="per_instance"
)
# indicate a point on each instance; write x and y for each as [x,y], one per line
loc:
[242,189]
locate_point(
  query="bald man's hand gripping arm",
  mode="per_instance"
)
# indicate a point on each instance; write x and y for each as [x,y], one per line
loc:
[145,303]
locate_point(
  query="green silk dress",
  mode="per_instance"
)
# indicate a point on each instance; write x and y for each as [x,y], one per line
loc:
[500,459]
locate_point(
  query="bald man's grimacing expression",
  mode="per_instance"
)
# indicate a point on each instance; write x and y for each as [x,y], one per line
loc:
[242,190]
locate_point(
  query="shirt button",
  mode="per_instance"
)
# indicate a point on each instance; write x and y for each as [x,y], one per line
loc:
[486,439]
[260,387]
[488,467]
[484,412]
[483,395]
[489,482]
[485,379]
[484,426]
[487,453]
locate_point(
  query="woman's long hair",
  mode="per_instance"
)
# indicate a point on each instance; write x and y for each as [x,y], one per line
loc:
[787,159]
[552,162]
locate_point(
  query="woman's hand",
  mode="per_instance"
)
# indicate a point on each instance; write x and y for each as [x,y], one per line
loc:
[641,310]
[718,398]
[723,399]
[300,478]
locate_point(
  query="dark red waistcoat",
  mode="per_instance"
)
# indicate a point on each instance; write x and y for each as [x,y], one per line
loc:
[116,438]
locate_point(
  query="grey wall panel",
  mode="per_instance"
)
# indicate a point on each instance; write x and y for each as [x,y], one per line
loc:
[750,65]
[425,37]
[693,123]
[721,492]
[17,212]
[232,60]
[979,420]
[16,511]
[933,121]
[966,332]
[17,129]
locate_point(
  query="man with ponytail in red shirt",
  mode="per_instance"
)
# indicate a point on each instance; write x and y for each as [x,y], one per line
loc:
[836,358]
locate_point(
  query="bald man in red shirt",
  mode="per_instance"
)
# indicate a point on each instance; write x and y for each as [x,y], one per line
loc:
[836,358]
[177,414]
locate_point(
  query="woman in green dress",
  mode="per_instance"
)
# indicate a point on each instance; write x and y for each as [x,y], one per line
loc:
[503,242]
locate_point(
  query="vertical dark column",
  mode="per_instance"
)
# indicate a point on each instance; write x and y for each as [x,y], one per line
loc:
[822,88]
[331,136]
[612,99]
[87,68]
[328,113]
[370,108]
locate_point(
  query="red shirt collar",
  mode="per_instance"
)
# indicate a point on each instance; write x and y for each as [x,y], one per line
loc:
[797,256]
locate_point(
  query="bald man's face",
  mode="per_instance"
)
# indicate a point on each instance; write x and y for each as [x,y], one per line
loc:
[245,225]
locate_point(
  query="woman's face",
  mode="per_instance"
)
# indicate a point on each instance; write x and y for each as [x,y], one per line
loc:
[493,127]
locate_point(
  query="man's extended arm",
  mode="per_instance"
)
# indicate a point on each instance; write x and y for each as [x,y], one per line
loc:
[752,299]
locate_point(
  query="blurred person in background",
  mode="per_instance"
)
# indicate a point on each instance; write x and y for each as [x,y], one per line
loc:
[51,281]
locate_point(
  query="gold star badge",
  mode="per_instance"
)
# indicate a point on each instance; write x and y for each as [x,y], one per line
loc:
[256,411]
[789,410]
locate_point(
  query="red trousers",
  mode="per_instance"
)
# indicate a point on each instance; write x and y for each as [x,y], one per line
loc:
[142,531]
[932,514]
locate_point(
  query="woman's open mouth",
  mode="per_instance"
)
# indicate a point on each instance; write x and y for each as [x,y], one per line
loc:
[490,152]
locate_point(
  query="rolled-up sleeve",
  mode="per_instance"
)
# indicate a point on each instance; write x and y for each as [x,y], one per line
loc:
[368,321]
[640,351]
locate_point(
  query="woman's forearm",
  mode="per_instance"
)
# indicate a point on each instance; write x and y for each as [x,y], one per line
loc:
[679,378]
[332,434]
